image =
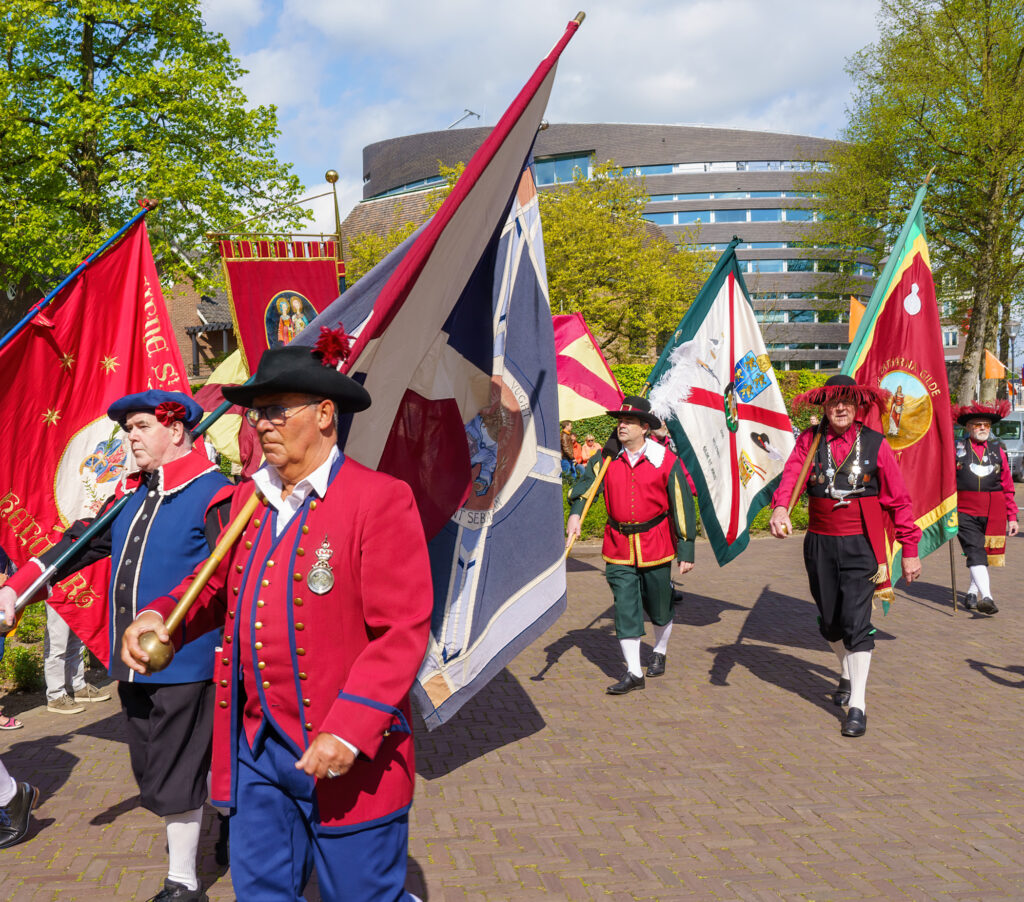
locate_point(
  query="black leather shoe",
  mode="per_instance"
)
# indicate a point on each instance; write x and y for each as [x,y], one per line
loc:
[987,606]
[856,723]
[841,697]
[657,666]
[178,892]
[627,684]
[971,602]
[15,815]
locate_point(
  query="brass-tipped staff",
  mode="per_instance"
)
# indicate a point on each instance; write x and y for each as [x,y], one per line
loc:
[805,469]
[160,655]
[589,499]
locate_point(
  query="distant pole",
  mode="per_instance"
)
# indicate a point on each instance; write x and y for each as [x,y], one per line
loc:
[332,176]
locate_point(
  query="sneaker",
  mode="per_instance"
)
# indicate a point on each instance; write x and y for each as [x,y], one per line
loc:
[92,693]
[64,705]
[15,815]
[178,892]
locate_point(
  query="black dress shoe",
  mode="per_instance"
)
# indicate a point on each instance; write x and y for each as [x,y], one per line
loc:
[627,684]
[971,602]
[856,723]
[657,666]
[177,892]
[987,606]
[15,815]
[841,697]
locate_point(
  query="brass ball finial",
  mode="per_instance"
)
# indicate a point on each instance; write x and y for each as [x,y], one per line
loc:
[331,175]
[160,655]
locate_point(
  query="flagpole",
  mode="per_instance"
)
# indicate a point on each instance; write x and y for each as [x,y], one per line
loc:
[952,574]
[146,204]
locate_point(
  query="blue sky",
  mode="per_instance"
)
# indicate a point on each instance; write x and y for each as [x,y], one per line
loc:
[346,73]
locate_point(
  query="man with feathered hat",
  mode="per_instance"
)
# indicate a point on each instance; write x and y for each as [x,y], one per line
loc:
[325,600]
[852,478]
[650,523]
[986,507]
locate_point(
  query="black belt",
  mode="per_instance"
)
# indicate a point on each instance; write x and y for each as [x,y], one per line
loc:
[629,529]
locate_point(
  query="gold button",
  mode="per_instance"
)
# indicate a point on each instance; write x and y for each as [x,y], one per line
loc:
[309,726]
[300,552]
[238,567]
[258,646]
[225,660]
[224,683]
[298,577]
[248,544]
[305,530]
[255,522]
[265,583]
[235,590]
[261,664]
[298,602]
[231,614]
[260,603]
[227,638]
[266,685]
[302,676]
[300,651]
[270,563]
[259,624]
[305,701]
[312,505]
[300,626]
[223,704]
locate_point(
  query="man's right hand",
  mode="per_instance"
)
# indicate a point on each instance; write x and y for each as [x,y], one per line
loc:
[572,529]
[131,652]
[8,598]
[780,524]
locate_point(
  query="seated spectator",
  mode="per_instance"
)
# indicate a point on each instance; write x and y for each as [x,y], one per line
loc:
[589,447]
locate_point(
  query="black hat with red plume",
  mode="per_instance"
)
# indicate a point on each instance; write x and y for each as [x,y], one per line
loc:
[993,412]
[842,387]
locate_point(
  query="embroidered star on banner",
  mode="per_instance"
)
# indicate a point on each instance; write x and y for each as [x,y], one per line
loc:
[51,416]
[109,364]
[66,361]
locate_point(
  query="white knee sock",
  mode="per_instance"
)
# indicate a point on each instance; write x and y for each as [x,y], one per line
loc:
[631,652]
[979,576]
[8,786]
[182,844]
[860,663]
[972,589]
[844,664]
[661,634]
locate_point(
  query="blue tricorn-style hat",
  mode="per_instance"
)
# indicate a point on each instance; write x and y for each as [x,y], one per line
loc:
[302,370]
[167,406]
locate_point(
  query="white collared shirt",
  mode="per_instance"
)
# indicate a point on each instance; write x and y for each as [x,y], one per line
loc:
[270,487]
[653,451]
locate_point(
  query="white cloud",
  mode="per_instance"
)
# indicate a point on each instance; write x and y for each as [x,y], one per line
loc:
[233,18]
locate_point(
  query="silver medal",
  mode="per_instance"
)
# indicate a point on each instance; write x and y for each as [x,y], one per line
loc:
[321,576]
[830,472]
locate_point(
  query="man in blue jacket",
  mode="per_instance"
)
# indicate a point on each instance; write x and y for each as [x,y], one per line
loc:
[168,527]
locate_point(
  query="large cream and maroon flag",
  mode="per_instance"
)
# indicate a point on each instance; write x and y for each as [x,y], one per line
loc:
[104,336]
[586,385]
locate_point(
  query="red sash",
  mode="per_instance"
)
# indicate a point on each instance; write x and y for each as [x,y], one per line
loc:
[991,505]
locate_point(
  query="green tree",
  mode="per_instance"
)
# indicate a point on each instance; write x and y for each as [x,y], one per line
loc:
[606,261]
[105,101]
[942,87]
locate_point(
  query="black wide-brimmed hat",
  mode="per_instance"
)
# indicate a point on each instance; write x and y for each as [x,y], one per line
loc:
[303,370]
[978,410]
[842,386]
[635,406]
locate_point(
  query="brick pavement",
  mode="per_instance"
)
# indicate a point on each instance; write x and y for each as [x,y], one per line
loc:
[725,779]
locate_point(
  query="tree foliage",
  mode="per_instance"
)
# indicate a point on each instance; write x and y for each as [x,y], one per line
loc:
[942,87]
[606,261]
[105,101]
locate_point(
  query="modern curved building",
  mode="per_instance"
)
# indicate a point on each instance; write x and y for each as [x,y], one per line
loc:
[705,186]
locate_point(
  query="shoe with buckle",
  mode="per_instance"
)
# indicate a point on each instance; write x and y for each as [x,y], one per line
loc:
[841,697]
[178,892]
[15,815]
[971,602]
[657,666]
[856,723]
[987,606]
[627,684]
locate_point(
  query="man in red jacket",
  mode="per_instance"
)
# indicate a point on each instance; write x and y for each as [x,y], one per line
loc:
[325,601]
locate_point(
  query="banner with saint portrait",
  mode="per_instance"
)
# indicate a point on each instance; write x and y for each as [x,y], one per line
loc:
[276,288]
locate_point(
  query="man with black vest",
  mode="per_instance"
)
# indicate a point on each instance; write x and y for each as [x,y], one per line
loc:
[650,523]
[986,507]
[852,479]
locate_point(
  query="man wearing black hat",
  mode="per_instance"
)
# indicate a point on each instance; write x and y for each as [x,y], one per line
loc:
[852,479]
[326,600]
[985,502]
[651,522]
[168,526]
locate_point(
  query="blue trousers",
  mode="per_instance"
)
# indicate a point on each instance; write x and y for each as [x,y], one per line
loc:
[276,841]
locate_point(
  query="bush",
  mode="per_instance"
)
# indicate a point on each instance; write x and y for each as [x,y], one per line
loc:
[32,625]
[22,667]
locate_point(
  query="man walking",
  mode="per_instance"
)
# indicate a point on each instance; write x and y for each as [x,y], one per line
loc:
[326,600]
[651,522]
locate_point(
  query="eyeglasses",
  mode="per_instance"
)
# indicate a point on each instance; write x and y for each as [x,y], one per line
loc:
[275,414]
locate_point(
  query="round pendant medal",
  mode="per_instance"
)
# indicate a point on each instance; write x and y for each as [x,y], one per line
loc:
[320,579]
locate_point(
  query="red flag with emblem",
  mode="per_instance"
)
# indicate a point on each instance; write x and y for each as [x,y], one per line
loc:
[106,335]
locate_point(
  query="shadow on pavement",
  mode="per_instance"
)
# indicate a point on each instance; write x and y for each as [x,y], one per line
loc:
[498,715]
[701,610]
[23,760]
[110,729]
[415,880]
[112,813]
[596,643]
[990,670]
[575,565]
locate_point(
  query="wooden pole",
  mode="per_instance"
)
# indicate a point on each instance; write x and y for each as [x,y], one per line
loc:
[805,469]
[160,655]
[590,496]
[952,574]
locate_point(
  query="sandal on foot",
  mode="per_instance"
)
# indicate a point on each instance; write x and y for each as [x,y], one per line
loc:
[10,723]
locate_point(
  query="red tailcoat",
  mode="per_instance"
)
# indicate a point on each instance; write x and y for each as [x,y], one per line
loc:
[340,663]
